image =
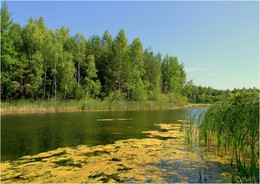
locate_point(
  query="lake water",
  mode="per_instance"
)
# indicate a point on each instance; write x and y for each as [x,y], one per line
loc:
[32,133]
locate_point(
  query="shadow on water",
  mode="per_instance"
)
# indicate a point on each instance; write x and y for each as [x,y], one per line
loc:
[192,167]
[198,164]
[192,172]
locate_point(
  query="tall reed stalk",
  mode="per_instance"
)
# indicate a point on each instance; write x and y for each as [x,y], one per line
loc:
[233,125]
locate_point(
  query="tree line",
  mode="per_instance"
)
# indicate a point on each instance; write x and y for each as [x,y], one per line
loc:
[39,63]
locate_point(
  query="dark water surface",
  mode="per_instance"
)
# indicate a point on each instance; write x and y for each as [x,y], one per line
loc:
[32,133]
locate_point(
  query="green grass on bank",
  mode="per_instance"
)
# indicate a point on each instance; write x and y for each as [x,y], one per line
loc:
[78,105]
[111,103]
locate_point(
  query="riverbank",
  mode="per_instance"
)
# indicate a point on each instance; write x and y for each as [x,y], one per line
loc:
[148,160]
[90,105]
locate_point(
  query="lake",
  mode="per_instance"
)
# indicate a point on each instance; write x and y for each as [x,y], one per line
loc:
[81,149]
[32,133]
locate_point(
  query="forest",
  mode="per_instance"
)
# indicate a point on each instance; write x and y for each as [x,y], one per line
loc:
[39,63]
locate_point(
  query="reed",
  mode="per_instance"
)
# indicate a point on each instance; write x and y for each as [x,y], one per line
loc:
[84,105]
[233,125]
[191,127]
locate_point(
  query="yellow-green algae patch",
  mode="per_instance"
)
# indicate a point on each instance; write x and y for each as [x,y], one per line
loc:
[118,119]
[131,160]
[173,131]
[169,126]
[183,120]
[170,134]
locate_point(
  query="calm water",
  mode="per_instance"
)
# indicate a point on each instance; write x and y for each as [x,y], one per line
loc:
[27,134]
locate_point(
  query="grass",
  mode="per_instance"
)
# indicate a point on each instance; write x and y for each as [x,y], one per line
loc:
[83,105]
[233,125]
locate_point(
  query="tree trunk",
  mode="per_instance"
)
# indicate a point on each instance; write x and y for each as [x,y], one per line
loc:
[44,86]
[21,87]
[55,83]
[65,94]
[78,72]
[55,86]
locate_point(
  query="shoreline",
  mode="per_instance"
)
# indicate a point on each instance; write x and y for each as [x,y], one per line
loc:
[18,110]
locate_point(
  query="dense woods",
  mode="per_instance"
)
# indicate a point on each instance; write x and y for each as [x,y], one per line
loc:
[39,63]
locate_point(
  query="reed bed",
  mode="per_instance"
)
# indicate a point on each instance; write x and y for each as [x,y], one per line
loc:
[233,125]
[83,105]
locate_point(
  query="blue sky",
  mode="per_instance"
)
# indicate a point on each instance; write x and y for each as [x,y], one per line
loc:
[218,42]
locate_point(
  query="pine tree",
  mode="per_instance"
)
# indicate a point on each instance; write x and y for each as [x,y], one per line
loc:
[104,68]
[119,67]
[20,66]
[91,85]
[8,54]
[173,75]
[152,75]
[135,87]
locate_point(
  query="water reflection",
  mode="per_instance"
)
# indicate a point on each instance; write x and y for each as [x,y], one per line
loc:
[27,134]
[195,167]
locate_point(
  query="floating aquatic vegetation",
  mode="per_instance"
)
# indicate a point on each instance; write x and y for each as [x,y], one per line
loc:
[105,119]
[117,133]
[131,160]
[170,134]
[169,126]
[117,119]
[183,120]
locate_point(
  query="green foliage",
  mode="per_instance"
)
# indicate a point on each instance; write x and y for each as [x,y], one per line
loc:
[135,87]
[199,94]
[39,63]
[7,54]
[66,74]
[173,75]
[5,19]
[33,36]
[116,96]
[136,91]
[104,68]
[119,66]
[233,124]
[152,77]
[91,87]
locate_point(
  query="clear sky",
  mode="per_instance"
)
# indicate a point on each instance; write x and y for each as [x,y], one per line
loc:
[218,42]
